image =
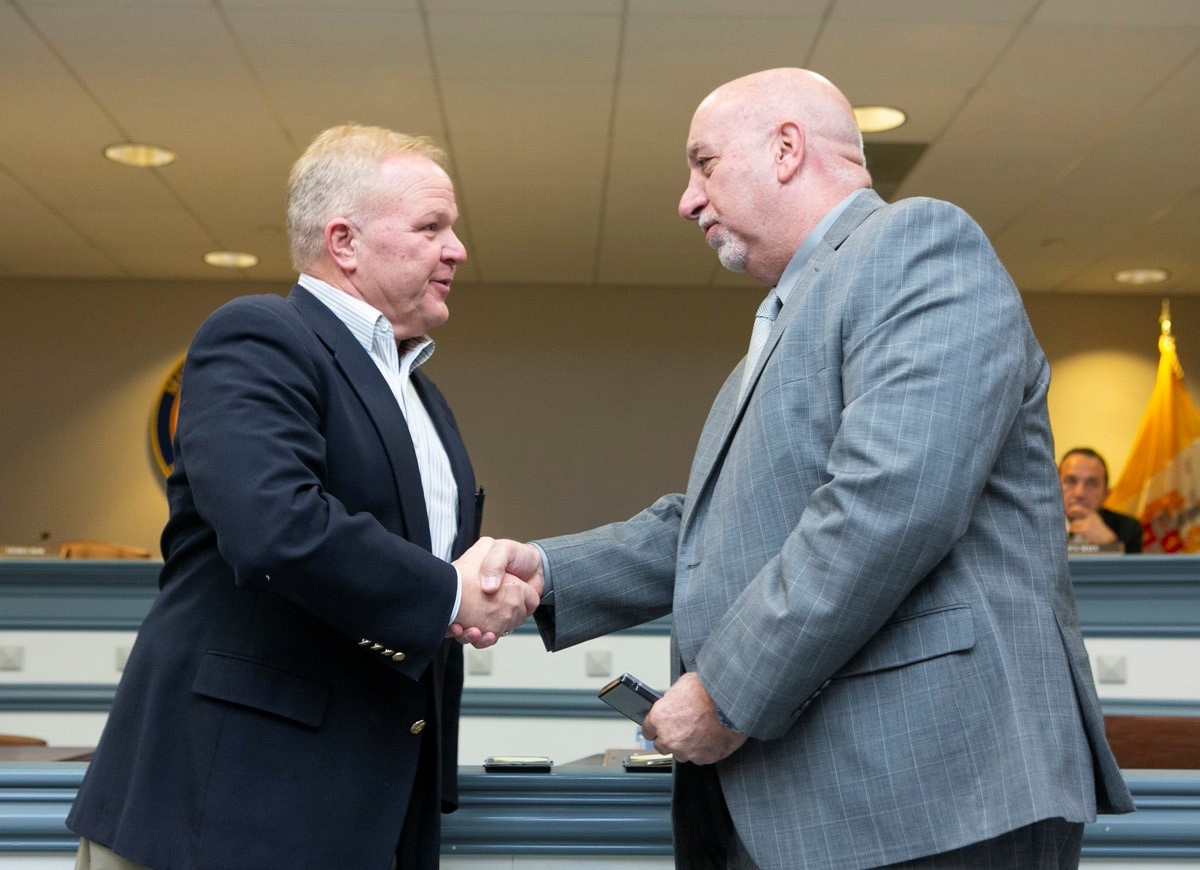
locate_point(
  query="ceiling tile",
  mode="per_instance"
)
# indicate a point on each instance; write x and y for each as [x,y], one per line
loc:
[50,120]
[741,10]
[485,47]
[540,232]
[24,219]
[551,129]
[860,56]
[679,60]
[381,72]
[527,7]
[1152,13]
[1008,12]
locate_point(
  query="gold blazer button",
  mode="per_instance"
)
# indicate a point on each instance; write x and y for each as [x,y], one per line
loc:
[417,727]
[398,657]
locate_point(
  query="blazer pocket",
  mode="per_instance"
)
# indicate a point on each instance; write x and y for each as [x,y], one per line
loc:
[250,683]
[914,638]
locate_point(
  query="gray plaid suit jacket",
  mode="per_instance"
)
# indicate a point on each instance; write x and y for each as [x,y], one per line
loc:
[868,570]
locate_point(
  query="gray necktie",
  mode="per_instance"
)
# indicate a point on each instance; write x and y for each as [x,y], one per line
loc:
[764,319]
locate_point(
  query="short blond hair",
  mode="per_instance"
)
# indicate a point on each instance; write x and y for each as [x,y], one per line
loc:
[336,177]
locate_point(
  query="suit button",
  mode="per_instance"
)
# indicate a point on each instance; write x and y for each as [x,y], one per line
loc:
[417,727]
[386,652]
[398,657]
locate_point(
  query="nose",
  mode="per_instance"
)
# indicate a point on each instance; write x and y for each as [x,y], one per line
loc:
[454,250]
[693,200]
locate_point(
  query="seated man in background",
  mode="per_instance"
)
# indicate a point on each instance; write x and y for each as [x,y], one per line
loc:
[1084,476]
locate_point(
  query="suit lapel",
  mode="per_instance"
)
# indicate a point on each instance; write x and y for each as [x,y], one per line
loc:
[849,220]
[378,404]
[727,410]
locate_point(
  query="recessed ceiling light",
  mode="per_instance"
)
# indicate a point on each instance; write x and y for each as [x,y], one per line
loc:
[1141,276]
[877,119]
[231,259]
[139,154]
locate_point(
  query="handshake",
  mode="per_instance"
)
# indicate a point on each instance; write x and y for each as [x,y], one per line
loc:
[502,584]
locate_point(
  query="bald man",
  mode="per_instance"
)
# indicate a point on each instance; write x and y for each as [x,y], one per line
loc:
[876,655]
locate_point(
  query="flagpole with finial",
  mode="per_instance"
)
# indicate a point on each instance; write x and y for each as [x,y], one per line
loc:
[1166,341]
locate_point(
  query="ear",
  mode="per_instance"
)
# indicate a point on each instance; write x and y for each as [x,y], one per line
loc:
[342,244]
[788,150]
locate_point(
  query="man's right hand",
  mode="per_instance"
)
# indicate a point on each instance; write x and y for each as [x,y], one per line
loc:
[485,613]
[503,563]
[1089,525]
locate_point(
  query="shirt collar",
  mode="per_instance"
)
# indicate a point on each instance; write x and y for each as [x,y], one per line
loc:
[367,324]
[808,247]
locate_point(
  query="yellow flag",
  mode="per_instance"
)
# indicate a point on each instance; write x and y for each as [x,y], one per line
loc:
[1160,483]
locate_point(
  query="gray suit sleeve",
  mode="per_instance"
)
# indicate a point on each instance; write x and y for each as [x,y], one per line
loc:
[613,577]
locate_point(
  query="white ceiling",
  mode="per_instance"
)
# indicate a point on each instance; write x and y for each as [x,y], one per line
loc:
[1069,128]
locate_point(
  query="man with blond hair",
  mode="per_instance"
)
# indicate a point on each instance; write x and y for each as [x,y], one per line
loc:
[876,655]
[292,698]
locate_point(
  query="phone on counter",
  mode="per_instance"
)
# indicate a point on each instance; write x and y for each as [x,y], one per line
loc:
[517,764]
[630,696]
[649,761]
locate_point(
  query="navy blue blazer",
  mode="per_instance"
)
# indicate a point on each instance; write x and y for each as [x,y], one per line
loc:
[251,729]
[1127,529]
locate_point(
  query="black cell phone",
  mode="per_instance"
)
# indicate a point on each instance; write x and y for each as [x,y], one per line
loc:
[630,696]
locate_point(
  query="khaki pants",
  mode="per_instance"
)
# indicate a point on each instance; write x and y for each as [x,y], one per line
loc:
[93,856]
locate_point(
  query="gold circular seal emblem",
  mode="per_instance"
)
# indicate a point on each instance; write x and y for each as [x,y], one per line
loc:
[163,419]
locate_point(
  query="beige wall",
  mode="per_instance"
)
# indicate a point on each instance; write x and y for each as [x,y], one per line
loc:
[586,420]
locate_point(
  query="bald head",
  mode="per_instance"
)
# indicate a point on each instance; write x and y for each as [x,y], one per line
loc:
[763,100]
[770,154]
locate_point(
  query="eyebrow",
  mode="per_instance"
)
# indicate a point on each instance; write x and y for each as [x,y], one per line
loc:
[437,215]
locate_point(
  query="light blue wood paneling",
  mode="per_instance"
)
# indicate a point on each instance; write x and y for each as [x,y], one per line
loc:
[583,810]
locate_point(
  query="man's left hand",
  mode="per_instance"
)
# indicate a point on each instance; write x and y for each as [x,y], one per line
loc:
[684,722]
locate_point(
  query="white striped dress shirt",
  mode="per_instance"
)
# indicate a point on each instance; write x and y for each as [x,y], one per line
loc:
[374,332]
